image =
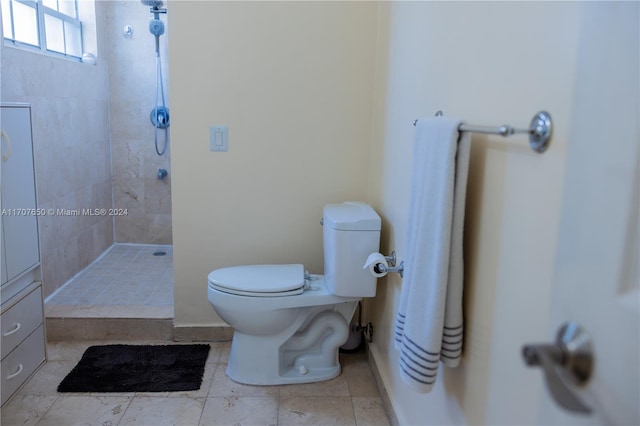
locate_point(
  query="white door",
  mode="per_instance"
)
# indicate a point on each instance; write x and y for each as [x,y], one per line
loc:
[596,273]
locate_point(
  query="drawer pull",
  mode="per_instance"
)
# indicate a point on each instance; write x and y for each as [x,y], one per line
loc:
[11,376]
[10,332]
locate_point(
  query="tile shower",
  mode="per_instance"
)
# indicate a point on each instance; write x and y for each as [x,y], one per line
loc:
[128,280]
[121,281]
[93,147]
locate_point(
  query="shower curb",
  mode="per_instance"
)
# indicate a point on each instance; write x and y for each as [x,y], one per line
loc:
[202,333]
[61,329]
[70,329]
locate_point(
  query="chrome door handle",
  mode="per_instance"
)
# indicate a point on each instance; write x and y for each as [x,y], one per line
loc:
[567,363]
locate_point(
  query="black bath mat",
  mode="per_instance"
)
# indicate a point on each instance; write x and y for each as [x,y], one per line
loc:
[138,368]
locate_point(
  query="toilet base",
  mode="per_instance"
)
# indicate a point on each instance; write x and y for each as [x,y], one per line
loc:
[289,377]
[305,352]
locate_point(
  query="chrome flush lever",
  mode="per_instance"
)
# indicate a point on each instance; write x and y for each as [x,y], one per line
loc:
[566,364]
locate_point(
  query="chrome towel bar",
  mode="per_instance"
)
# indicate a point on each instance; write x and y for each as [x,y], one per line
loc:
[539,130]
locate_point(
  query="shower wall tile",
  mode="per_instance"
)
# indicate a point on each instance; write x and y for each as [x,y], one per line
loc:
[135,164]
[152,228]
[156,199]
[85,247]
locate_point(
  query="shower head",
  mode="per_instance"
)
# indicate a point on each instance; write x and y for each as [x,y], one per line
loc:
[156,27]
[152,3]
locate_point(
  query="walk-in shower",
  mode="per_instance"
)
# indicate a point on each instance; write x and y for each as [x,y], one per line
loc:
[131,280]
[160,113]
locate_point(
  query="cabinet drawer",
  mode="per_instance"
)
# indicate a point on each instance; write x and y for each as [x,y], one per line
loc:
[19,364]
[20,320]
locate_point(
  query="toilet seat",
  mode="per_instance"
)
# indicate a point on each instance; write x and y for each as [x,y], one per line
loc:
[259,280]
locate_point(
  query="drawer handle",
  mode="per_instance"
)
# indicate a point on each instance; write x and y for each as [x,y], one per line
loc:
[11,376]
[15,329]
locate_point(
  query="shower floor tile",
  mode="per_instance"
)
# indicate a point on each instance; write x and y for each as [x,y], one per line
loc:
[126,281]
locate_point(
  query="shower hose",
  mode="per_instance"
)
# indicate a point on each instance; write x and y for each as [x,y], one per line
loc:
[161,115]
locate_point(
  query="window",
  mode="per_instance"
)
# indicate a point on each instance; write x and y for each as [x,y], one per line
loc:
[49,25]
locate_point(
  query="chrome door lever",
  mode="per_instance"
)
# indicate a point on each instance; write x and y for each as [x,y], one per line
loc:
[566,364]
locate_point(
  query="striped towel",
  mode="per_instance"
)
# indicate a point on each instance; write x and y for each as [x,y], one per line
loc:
[429,324]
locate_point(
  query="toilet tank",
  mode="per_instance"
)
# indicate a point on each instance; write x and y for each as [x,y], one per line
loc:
[351,231]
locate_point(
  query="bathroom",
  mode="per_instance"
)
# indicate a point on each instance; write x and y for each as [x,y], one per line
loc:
[319,99]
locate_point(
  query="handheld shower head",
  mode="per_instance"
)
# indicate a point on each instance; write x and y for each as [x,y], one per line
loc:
[156,27]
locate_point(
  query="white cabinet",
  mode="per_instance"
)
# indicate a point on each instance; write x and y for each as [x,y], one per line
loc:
[21,311]
[19,221]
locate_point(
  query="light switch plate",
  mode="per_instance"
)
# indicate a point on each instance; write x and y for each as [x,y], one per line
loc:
[219,138]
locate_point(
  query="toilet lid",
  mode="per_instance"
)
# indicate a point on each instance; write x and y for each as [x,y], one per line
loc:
[259,280]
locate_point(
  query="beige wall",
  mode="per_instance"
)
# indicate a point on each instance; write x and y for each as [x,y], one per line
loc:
[132,84]
[488,63]
[70,120]
[293,81]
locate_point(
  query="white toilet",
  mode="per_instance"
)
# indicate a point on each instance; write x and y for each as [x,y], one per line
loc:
[288,327]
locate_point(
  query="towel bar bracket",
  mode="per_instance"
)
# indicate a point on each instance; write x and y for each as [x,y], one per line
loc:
[540,131]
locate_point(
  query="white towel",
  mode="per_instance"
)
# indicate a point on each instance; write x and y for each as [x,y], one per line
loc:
[429,325]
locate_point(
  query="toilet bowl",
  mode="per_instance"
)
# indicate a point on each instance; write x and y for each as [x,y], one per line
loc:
[274,335]
[288,324]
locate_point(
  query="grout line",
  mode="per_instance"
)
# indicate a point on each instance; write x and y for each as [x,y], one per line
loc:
[48,409]
[125,410]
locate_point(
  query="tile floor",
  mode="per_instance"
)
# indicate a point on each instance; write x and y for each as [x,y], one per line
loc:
[350,399]
[127,280]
